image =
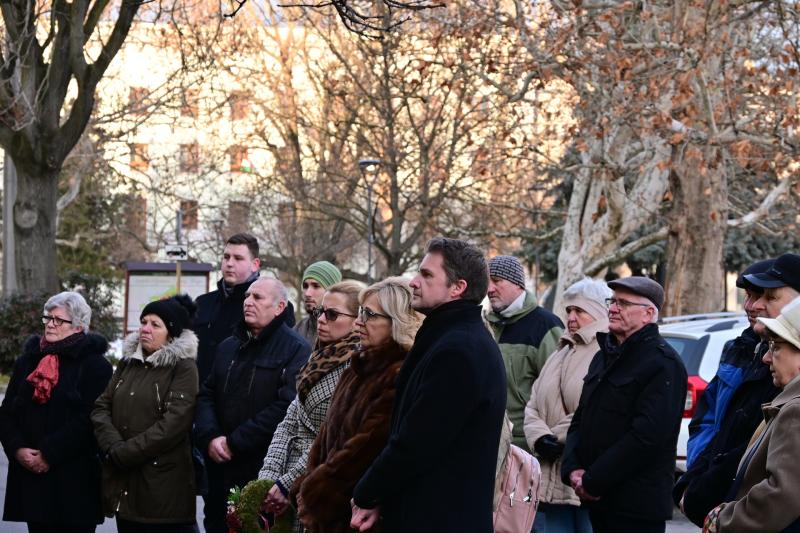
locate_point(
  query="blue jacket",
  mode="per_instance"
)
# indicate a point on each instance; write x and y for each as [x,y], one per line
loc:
[736,357]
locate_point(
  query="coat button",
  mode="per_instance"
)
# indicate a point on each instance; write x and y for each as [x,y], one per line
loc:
[131,393]
[155,463]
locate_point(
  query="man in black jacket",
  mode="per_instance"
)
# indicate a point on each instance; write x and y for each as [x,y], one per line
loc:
[620,452]
[220,310]
[437,471]
[249,388]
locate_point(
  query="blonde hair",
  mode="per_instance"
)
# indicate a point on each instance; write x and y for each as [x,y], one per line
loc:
[350,289]
[395,295]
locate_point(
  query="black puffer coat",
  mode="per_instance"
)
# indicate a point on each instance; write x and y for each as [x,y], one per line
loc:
[251,384]
[625,431]
[69,493]
[143,424]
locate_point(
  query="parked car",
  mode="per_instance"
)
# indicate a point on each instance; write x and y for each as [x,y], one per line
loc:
[699,340]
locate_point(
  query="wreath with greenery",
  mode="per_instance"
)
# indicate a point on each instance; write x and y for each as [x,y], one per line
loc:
[245,514]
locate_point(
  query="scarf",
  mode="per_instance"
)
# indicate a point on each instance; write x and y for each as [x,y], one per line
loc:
[44,377]
[322,361]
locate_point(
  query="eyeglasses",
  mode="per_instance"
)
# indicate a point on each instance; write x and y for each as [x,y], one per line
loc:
[365,314]
[774,346]
[623,304]
[330,314]
[55,320]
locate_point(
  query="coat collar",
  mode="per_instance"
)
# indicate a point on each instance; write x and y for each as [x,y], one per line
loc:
[528,305]
[182,347]
[585,335]
[610,347]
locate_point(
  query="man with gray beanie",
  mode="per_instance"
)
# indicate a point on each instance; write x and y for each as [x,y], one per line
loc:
[620,452]
[316,279]
[527,335]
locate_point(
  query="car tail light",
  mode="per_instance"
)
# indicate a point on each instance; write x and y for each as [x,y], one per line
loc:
[695,388]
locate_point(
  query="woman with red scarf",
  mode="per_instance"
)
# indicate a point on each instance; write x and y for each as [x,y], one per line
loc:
[54,470]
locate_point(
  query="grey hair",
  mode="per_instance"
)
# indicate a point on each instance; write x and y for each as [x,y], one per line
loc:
[76,307]
[591,289]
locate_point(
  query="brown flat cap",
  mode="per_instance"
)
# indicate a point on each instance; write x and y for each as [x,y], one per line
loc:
[643,287]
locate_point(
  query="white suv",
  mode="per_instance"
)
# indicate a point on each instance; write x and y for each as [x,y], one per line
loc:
[699,340]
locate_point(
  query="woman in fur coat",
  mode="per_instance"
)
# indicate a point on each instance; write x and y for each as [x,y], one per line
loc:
[357,426]
[143,422]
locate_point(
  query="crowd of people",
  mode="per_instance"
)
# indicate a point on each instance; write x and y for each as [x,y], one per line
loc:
[398,406]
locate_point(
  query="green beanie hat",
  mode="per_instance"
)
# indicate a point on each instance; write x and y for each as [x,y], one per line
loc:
[324,272]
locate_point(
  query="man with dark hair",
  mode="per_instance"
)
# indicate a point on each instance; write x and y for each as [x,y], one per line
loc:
[620,452]
[730,409]
[437,470]
[245,397]
[527,335]
[218,311]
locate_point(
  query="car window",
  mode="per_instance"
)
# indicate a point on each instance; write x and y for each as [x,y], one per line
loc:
[690,350]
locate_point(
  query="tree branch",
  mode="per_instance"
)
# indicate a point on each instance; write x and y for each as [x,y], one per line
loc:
[622,253]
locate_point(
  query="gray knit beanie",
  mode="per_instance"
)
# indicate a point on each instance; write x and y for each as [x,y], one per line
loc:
[507,267]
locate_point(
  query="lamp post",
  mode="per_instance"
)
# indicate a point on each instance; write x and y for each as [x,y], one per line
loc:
[369,169]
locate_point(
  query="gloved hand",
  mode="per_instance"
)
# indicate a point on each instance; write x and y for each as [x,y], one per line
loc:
[548,448]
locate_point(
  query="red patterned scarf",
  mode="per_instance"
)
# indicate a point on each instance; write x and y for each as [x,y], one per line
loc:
[44,378]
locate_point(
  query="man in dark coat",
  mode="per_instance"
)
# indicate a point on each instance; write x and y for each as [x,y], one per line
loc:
[728,412]
[437,471]
[620,451]
[220,310]
[251,384]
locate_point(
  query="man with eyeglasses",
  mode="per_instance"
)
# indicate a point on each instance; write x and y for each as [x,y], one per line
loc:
[729,410]
[620,450]
[316,279]
[246,395]
[526,332]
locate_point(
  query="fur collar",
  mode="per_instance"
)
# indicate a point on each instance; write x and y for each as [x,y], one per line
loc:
[182,347]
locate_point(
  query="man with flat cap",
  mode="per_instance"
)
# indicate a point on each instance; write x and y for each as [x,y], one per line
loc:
[620,451]
[728,412]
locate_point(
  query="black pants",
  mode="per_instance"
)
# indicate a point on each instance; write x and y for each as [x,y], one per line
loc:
[605,522]
[56,528]
[216,500]
[126,526]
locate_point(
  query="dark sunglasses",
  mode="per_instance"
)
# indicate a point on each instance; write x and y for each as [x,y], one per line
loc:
[330,314]
[365,314]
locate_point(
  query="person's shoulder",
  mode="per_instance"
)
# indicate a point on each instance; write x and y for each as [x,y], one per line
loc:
[545,317]
[293,339]
[207,298]
[31,346]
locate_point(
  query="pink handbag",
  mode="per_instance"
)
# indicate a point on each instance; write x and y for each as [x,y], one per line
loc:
[519,489]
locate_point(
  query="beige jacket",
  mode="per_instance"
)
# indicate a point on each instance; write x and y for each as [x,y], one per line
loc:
[768,499]
[554,397]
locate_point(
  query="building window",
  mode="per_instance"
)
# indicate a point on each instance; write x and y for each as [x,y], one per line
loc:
[239,106]
[137,97]
[189,210]
[139,159]
[238,216]
[189,103]
[239,160]
[190,157]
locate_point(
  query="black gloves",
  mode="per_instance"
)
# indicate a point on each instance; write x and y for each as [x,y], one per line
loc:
[548,448]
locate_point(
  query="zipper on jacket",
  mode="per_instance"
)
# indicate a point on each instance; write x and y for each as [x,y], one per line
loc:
[227,376]
[158,399]
[250,386]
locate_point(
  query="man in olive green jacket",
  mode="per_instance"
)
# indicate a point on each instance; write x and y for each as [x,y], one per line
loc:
[527,335]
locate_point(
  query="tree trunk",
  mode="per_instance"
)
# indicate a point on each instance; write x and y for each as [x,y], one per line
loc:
[9,195]
[35,231]
[695,275]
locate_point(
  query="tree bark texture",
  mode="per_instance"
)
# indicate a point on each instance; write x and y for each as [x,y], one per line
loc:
[695,275]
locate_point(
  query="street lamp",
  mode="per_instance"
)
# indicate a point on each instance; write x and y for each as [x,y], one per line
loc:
[369,169]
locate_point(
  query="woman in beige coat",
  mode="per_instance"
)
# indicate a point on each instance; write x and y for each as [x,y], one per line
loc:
[554,397]
[767,486]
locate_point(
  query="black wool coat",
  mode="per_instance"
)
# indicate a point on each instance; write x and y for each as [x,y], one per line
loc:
[69,493]
[251,384]
[437,471]
[625,430]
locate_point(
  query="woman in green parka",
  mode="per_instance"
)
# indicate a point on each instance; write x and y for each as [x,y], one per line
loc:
[143,422]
